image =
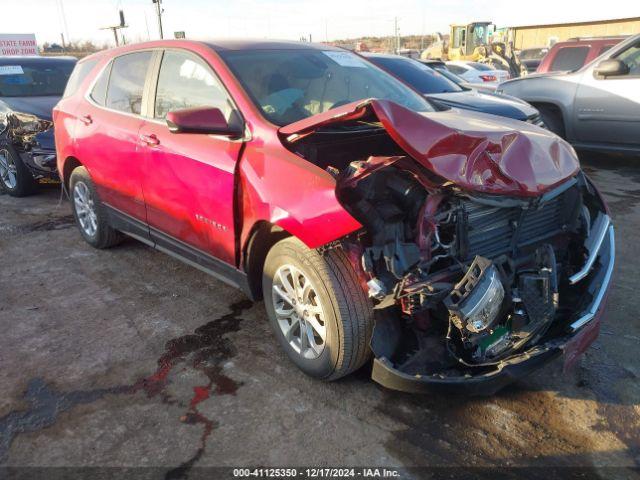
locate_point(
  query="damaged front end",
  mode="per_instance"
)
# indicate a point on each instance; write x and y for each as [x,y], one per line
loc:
[32,138]
[478,275]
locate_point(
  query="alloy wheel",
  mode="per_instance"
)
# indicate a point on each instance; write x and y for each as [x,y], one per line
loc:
[299,312]
[8,171]
[85,209]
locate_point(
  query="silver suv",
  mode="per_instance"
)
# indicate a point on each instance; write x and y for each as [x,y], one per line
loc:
[596,107]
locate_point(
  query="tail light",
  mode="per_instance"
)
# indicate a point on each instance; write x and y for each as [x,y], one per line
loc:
[488,78]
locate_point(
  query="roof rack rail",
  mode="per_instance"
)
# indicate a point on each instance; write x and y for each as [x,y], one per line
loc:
[603,37]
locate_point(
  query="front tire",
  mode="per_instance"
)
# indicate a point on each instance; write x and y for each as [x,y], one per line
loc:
[15,177]
[89,212]
[319,312]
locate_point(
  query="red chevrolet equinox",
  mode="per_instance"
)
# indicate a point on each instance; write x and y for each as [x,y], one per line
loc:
[460,250]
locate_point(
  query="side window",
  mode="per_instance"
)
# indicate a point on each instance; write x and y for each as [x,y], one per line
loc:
[631,56]
[185,82]
[604,49]
[456,69]
[126,82]
[78,75]
[569,58]
[99,92]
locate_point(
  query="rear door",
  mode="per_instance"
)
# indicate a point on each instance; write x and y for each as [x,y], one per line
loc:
[189,181]
[608,109]
[107,133]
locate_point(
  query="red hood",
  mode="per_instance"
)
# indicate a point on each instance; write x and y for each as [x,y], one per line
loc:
[477,152]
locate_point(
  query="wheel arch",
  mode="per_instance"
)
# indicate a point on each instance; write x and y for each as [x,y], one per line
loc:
[263,236]
[556,109]
[70,164]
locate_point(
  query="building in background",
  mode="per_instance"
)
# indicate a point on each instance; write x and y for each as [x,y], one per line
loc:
[534,36]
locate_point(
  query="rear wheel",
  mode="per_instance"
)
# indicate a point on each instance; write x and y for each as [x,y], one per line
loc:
[317,309]
[15,178]
[89,213]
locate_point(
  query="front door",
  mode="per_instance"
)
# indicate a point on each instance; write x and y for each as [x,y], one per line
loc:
[608,109]
[188,183]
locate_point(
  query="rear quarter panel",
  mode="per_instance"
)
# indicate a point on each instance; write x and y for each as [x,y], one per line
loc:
[65,116]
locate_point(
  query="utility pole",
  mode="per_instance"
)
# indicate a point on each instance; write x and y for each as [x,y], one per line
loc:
[115,28]
[159,13]
[64,19]
[397,35]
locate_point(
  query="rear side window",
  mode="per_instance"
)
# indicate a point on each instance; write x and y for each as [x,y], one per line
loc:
[481,66]
[78,75]
[569,58]
[99,92]
[126,82]
[419,76]
[458,70]
[186,82]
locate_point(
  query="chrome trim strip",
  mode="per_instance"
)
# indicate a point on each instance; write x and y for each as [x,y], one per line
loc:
[593,243]
[597,301]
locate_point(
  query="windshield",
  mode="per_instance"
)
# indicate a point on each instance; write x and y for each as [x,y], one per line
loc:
[290,85]
[34,79]
[419,76]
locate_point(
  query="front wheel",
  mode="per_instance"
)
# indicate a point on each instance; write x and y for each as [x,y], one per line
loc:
[319,312]
[15,177]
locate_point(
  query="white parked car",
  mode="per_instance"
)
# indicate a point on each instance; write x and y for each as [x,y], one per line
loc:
[478,73]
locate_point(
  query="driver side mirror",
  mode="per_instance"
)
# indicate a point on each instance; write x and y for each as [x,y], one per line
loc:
[611,68]
[206,120]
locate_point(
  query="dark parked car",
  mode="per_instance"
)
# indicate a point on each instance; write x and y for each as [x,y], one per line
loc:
[531,58]
[461,250]
[29,89]
[573,54]
[445,92]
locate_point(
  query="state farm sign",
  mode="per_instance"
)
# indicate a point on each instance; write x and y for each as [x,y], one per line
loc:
[18,44]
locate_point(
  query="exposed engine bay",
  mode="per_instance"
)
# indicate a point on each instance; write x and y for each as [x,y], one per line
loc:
[461,281]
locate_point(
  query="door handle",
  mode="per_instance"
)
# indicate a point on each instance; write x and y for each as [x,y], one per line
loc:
[86,119]
[150,140]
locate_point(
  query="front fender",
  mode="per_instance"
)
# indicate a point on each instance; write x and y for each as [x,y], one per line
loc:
[285,190]
[558,90]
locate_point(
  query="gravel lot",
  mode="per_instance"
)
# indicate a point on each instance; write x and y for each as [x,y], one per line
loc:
[127,357]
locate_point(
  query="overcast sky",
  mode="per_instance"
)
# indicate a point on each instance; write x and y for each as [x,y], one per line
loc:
[289,19]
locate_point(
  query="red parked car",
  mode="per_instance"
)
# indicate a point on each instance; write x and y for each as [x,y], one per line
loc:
[462,250]
[573,54]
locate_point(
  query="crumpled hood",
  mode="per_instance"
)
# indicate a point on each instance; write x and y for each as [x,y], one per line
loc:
[41,107]
[486,103]
[476,152]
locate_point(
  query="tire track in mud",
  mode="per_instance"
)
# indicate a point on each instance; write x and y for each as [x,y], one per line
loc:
[205,351]
[54,223]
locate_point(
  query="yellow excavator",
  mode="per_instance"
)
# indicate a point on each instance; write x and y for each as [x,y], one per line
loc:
[477,42]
